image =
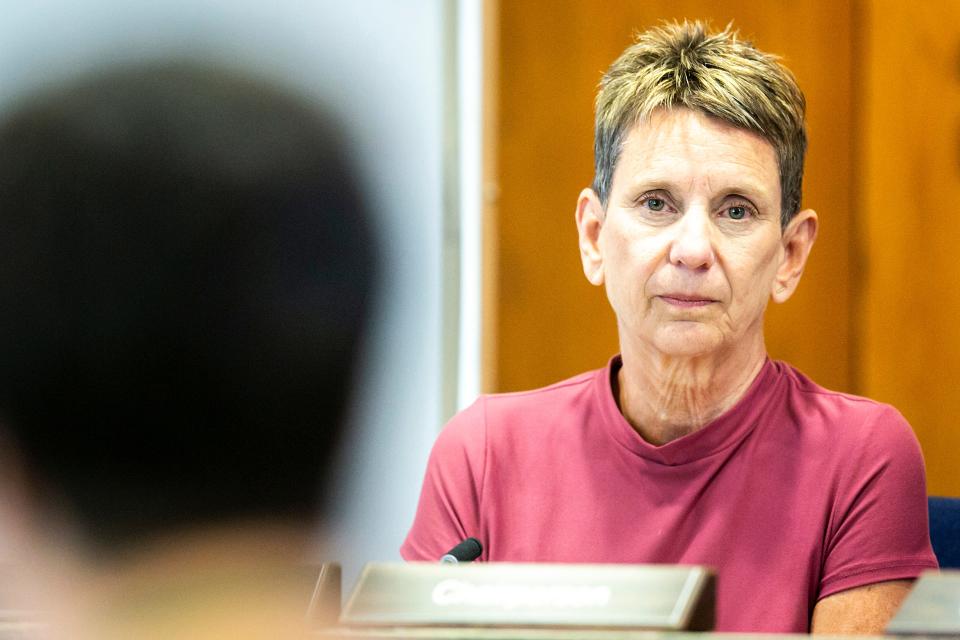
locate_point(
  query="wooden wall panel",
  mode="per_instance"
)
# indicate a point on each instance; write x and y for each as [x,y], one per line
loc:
[909,232]
[548,321]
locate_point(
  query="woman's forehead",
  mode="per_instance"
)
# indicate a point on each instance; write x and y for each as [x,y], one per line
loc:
[681,146]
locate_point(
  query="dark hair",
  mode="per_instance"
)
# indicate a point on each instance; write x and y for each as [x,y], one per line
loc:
[185,270]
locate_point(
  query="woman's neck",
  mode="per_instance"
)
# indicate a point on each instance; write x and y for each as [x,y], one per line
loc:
[665,398]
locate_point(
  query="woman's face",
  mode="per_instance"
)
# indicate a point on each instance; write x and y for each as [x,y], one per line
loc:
[690,244]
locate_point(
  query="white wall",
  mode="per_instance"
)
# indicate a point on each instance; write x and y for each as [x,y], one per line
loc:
[379,64]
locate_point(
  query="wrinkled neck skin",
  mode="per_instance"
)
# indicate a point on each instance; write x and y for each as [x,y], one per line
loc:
[666,397]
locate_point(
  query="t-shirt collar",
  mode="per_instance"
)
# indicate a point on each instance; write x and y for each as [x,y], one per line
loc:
[725,431]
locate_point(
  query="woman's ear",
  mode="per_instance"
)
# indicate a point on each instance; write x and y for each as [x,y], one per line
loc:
[590,215]
[798,239]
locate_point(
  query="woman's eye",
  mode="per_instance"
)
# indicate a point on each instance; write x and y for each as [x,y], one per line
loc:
[656,204]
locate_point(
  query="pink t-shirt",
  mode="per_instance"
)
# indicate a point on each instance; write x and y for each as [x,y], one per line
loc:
[794,494]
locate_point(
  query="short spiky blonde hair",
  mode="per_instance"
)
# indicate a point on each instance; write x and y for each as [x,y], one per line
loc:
[685,65]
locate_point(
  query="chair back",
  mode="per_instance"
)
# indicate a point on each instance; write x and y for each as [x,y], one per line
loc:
[945,530]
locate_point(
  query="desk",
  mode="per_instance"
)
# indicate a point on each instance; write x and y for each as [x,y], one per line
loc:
[489,633]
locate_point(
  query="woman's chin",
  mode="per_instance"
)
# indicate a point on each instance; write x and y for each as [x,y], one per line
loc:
[689,340]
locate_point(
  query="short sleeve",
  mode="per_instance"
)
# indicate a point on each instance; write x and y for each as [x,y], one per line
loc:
[449,507]
[878,529]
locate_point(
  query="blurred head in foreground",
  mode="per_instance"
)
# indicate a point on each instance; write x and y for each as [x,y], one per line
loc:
[185,271]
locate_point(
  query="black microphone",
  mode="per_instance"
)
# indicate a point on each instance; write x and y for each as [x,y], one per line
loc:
[467,551]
